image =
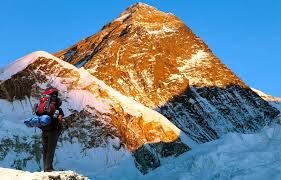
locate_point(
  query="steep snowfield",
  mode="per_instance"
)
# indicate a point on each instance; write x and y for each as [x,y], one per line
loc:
[234,157]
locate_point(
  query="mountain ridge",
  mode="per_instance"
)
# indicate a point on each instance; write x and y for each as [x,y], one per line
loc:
[94,111]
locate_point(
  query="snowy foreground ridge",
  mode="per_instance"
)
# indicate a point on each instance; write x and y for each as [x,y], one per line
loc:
[9,174]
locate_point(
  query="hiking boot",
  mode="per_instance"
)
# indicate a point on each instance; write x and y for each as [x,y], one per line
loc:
[49,170]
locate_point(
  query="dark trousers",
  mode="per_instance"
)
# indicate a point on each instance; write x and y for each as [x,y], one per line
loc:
[49,140]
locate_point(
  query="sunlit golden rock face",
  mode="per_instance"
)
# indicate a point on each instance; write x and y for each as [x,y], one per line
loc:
[154,58]
[150,56]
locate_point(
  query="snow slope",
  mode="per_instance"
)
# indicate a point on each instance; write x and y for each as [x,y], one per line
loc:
[233,157]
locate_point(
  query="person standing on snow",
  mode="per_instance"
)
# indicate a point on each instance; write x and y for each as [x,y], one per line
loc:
[50,105]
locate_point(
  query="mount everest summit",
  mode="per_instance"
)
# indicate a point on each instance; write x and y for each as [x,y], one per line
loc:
[154,58]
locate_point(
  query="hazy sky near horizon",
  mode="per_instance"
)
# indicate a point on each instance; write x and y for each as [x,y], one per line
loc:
[244,34]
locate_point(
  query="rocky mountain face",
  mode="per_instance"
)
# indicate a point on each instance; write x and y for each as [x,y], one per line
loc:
[155,59]
[97,116]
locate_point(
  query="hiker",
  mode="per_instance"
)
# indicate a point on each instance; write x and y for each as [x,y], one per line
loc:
[49,107]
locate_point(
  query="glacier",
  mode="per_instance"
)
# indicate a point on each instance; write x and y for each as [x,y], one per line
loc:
[236,156]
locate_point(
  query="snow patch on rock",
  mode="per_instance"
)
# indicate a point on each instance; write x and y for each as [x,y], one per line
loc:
[198,57]
[274,101]
[163,30]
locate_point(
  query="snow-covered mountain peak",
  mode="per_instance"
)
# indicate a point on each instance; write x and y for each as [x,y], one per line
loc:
[149,19]
[139,5]
[144,51]
[21,63]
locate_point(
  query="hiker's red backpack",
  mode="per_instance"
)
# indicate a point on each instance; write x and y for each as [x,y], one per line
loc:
[49,103]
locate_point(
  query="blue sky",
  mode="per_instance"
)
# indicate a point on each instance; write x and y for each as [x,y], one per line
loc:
[244,34]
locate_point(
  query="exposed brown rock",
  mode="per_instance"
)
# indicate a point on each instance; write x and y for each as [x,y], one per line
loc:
[139,52]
